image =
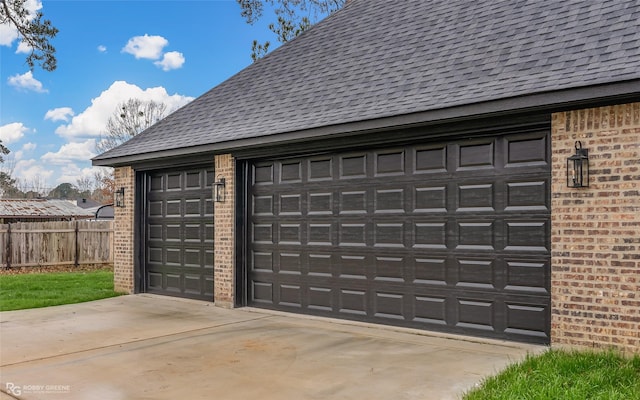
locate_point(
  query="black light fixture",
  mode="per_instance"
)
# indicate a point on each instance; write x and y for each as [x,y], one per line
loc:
[118,197]
[218,190]
[578,167]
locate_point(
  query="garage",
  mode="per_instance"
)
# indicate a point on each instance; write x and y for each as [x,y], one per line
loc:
[449,236]
[178,227]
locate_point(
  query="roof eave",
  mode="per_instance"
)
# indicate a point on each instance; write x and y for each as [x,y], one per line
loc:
[542,102]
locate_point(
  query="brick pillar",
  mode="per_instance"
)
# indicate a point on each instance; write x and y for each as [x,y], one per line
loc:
[595,231]
[123,232]
[224,242]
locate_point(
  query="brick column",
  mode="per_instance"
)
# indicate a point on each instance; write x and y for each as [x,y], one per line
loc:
[595,231]
[224,242]
[123,232]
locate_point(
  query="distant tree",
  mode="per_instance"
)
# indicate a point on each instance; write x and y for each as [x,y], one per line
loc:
[3,152]
[292,18]
[104,183]
[7,183]
[64,191]
[85,187]
[33,31]
[27,189]
[130,118]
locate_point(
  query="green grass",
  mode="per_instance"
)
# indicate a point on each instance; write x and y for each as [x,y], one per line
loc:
[565,375]
[19,292]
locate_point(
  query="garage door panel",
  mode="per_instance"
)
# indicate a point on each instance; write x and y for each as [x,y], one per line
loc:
[320,298]
[446,236]
[476,273]
[263,233]
[155,281]
[389,200]
[179,233]
[290,263]
[476,234]
[430,270]
[261,292]
[389,162]
[527,195]
[387,234]
[527,150]
[390,269]
[193,283]
[290,204]
[353,266]
[527,235]
[290,295]
[477,155]
[430,309]
[352,301]
[475,313]
[388,305]
[172,282]
[430,159]
[527,275]
[477,197]
[353,166]
[320,264]
[434,234]
[262,260]
[290,233]
[525,319]
[430,199]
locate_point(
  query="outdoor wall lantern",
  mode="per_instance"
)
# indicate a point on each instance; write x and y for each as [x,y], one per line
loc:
[218,190]
[578,167]
[118,197]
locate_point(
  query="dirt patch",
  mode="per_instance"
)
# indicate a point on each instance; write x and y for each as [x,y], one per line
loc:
[57,268]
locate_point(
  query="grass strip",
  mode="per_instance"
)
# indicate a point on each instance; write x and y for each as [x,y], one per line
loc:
[18,292]
[565,375]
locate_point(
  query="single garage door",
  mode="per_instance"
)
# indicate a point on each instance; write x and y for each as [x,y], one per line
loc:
[449,236]
[179,233]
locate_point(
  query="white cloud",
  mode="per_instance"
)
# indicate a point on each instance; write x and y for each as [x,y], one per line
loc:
[12,132]
[70,152]
[149,47]
[102,49]
[171,60]
[71,173]
[8,33]
[30,170]
[29,146]
[59,114]
[26,148]
[26,81]
[93,120]
[24,48]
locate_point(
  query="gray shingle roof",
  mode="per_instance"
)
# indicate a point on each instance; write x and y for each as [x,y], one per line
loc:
[382,58]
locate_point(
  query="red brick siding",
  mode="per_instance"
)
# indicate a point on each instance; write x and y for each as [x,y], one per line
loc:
[123,231]
[224,243]
[595,234]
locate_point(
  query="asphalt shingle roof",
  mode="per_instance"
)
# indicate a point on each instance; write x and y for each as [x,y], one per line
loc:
[381,58]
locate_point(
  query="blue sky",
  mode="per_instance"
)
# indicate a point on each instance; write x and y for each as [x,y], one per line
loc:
[108,52]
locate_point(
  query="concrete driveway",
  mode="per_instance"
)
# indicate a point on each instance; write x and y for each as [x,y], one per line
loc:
[155,347]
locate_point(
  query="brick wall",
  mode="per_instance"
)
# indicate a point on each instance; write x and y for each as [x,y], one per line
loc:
[595,234]
[123,232]
[224,244]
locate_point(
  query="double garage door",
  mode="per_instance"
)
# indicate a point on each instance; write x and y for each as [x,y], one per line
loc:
[451,236]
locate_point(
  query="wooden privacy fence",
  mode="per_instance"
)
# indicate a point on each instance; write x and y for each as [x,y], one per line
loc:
[40,244]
